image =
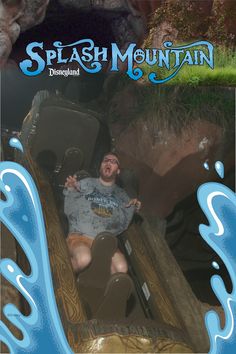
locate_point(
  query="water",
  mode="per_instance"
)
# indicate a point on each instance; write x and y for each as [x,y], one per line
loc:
[15,143]
[206,166]
[218,202]
[22,215]
[215,265]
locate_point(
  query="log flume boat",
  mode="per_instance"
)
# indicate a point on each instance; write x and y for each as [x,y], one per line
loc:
[162,313]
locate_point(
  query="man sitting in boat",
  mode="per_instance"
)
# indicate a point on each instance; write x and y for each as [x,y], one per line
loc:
[95,205]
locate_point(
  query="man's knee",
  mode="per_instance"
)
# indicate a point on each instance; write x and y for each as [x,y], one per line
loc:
[81,258]
[84,260]
[122,267]
[119,263]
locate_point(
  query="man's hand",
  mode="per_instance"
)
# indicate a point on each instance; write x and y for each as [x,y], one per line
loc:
[134,202]
[72,183]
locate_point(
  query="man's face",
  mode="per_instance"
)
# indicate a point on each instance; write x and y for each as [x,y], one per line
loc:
[109,168]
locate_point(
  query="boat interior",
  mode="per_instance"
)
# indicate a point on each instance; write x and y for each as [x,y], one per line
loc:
[153,309]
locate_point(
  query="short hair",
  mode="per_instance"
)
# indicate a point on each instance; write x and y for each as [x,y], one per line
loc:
[111,153]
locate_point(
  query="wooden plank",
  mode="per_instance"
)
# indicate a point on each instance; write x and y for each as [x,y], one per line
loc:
[187,307]
[8,294]
[150,280]
[66,291]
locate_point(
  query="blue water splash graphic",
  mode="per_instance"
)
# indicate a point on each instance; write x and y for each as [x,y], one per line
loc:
[215,265]
[219,168]
[15,143]
[206,166]
[218,202]
[21,213]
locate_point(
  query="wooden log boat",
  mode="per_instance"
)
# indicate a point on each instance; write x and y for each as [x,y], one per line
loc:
[165,315]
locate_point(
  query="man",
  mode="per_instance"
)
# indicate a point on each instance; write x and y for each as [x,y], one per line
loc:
[95,205]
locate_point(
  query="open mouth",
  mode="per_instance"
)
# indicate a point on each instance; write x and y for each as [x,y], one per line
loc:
[107,169]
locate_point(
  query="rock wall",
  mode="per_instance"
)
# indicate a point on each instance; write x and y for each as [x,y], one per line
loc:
[184,20]
[170,168]
[17,16]
[181,20]
[167,144]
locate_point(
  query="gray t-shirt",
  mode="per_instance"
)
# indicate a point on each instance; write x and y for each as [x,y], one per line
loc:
[97,208]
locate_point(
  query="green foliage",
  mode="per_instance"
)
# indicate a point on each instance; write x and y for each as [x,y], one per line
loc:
[224,72]
[171,108]
[174,108]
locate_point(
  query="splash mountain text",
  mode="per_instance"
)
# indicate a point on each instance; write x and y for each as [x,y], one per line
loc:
[90,58]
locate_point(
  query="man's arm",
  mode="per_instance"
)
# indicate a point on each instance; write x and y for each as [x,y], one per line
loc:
[137,204]
[127,209]
[71,190]
[72,183]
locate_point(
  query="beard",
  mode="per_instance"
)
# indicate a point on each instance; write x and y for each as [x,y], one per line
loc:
[107,175]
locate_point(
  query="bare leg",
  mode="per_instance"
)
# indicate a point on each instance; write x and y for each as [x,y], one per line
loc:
[80,251]
[119,263]
[80,257]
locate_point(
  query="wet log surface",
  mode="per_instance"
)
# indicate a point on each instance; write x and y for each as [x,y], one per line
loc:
[187,307]
[151,279]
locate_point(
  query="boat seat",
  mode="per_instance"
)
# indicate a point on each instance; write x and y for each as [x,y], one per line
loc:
[114,301]
[71,163]
[62,136]
[102,292]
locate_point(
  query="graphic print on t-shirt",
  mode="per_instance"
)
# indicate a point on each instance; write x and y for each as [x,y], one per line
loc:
[102,205]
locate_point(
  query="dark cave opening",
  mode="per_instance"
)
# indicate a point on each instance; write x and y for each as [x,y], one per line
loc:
[67,25]
[194,256]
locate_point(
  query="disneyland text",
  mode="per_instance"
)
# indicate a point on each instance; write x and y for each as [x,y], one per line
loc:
[92,59]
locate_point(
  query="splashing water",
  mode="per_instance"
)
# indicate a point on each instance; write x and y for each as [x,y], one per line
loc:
[22,215]
[219,168]
[218,202]
[215,265]
[15,143]
[206,166]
